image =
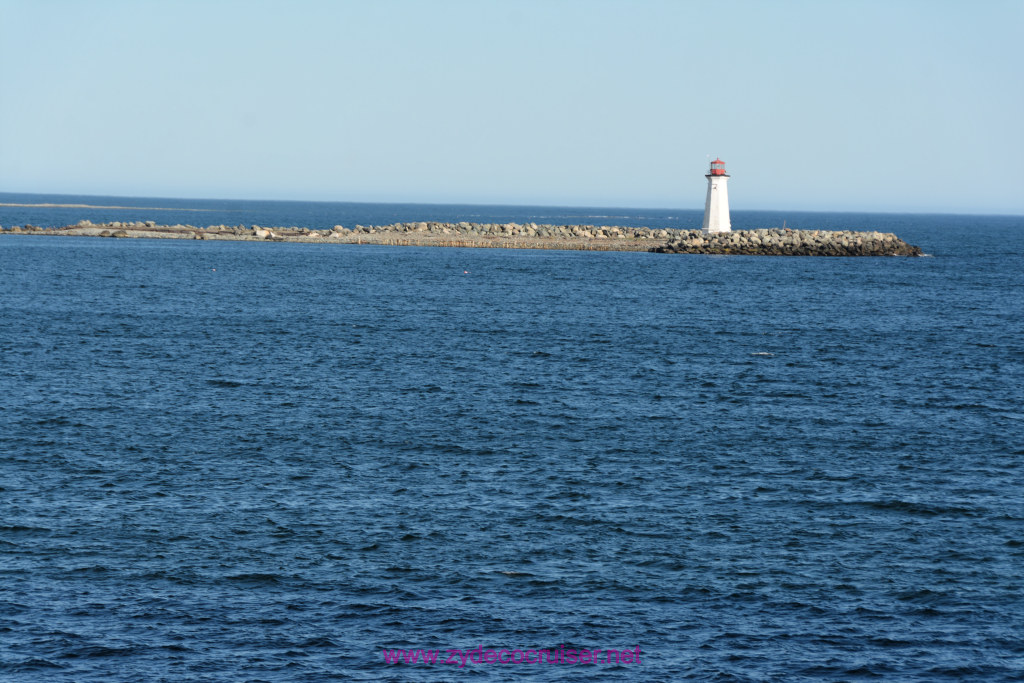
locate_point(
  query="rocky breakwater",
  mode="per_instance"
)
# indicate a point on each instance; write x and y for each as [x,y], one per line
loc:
[512,236]
[462,234]
[786,242]
[773,242]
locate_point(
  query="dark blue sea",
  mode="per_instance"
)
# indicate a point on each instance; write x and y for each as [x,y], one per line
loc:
[243,461]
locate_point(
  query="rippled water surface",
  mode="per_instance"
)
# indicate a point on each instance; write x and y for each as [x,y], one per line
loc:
[247,461]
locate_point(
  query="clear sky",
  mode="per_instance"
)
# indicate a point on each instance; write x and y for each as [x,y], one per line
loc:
[894,105]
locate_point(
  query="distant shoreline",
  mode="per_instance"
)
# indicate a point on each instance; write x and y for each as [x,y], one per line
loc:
[94,206]
[761,242]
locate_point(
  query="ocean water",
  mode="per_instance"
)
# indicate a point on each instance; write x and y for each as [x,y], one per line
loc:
[233,461]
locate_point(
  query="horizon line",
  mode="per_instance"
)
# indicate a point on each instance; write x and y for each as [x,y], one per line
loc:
[422,203]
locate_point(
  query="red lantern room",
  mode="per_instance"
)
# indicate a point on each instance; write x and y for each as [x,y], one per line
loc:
[717,167]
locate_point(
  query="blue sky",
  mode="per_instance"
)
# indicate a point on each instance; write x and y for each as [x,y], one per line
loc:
[847,106]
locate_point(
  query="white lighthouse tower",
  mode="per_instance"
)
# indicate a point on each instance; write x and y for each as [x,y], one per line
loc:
[716,206]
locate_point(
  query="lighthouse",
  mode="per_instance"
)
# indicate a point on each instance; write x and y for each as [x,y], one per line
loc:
[716,206]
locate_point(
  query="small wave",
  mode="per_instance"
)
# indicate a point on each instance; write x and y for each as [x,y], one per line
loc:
[98,651]
[94,569]
[254,578]
[175,647]
[912,508]
[57,421]
[30,665]
[19,529]
[426,389]
[320,641]
[228,383]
